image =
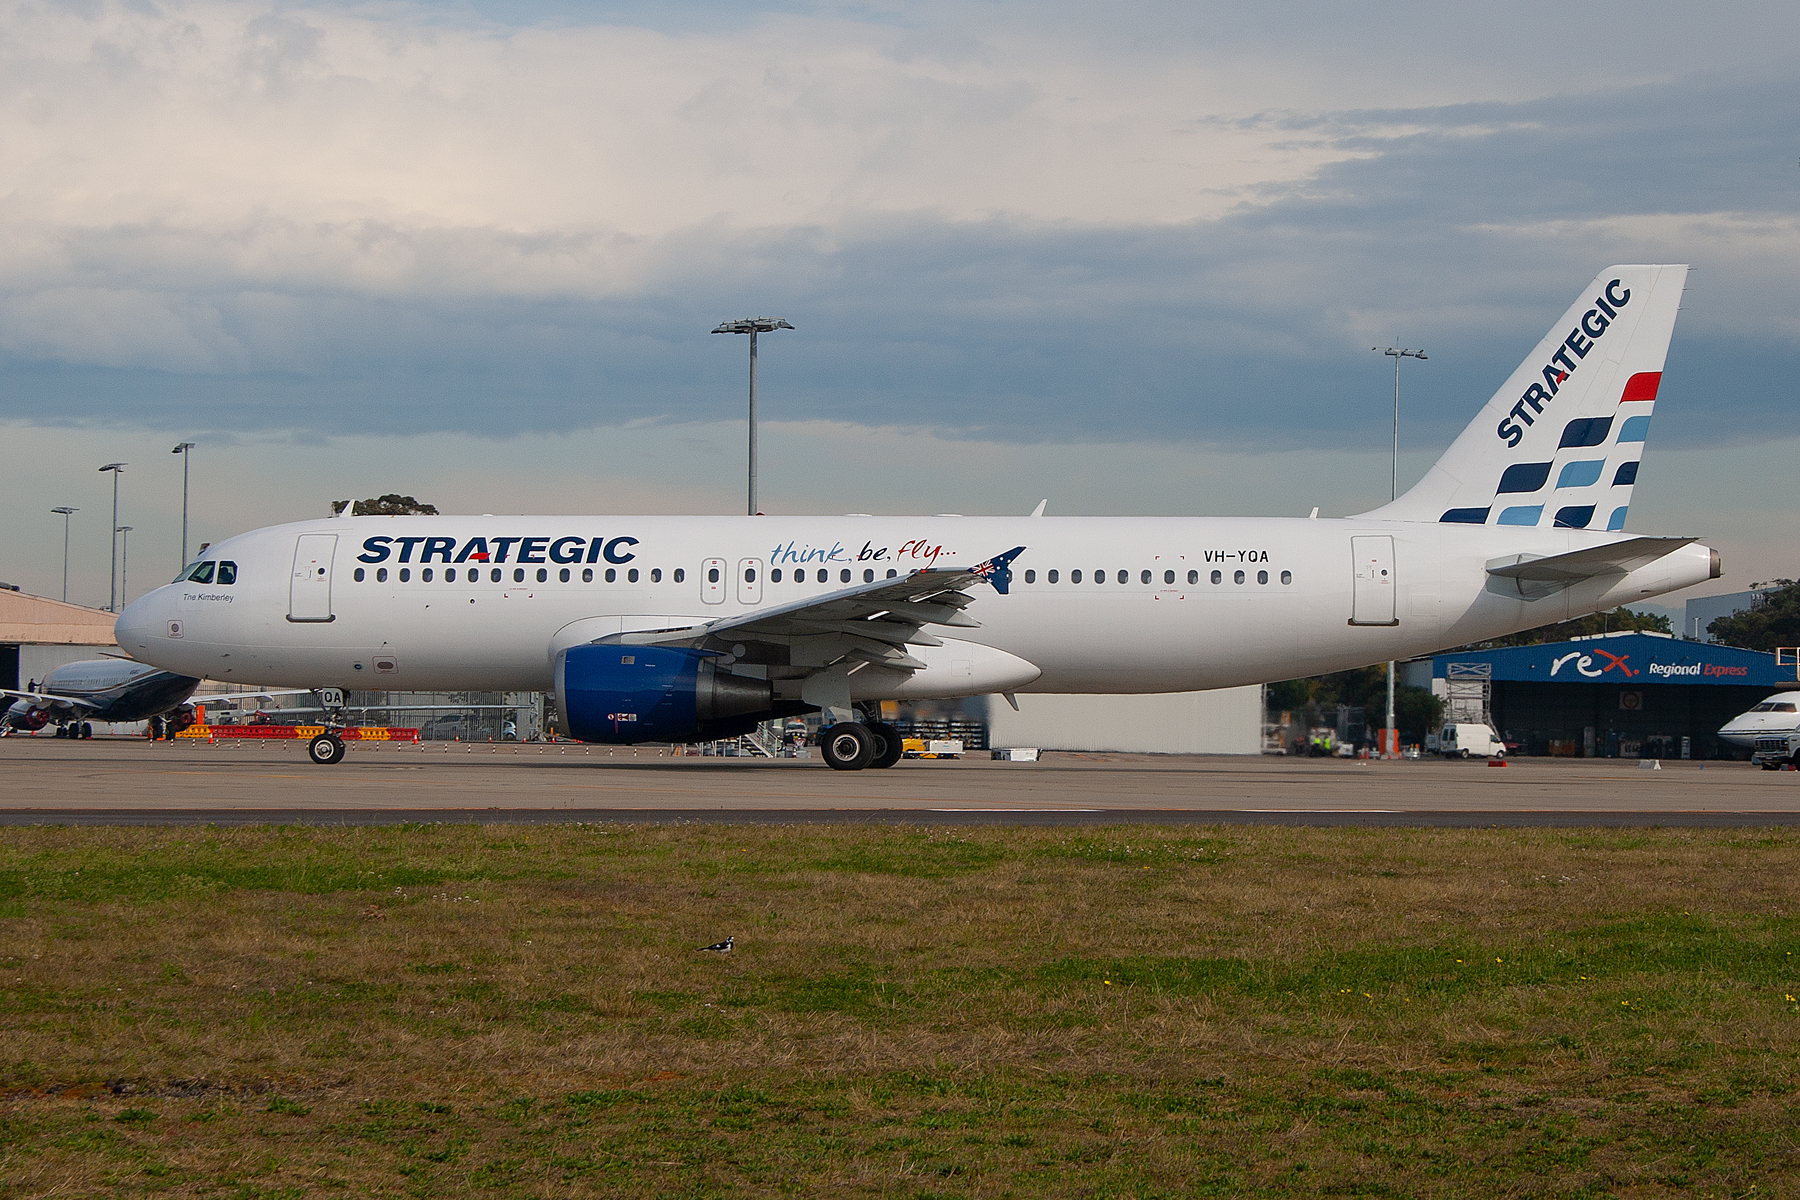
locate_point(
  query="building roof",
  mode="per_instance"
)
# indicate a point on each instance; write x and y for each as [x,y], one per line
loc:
[1634,658]
[36,620]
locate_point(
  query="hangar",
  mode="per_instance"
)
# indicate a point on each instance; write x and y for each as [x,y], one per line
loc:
[1615,695]
[38,634]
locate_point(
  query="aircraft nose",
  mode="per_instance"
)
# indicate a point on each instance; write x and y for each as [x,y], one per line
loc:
[145,623]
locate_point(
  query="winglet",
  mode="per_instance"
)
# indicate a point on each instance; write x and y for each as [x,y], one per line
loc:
[998,569]
[1039,510]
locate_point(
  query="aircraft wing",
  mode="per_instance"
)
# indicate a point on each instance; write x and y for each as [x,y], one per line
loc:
[871,622]
[227,698]
[49,698]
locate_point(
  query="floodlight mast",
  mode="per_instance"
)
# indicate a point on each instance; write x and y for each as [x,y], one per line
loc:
[112,604]
[753,326]
[182,449]
[1396,353]
[125,561]
[66,512]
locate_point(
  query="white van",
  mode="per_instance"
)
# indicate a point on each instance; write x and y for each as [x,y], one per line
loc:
[1468,741]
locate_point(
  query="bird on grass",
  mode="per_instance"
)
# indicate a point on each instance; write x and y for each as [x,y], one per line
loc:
[723,947]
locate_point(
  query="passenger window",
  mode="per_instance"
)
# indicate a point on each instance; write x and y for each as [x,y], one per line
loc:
[380,574]
[425,575]
[1262,577]
[1051,576]
[202,573]
[1287,577]
[563,575]
[774,575]
[712,575]
[824,576]
[631,576]
[1125,577]
[587,574]
[1237,577]
[358,574]
[891,573]
[1217,577]
[405,574]
[749,574]
[655,574]
[449,574]
[612,576]
[844,575]
[518,574]
[680,574]
[1168,577]
[227,572]
[869,576]
[1193,577]
[1031,577]
[1146,577]
[1099,576]
[543,575]
[1075,576]
[494,575]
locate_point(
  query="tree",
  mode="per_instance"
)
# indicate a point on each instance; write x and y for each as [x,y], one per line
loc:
[1771,622]
[390,505]
[1416,710]
[1619,620]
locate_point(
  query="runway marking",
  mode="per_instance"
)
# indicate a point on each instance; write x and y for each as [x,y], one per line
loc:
[1340,811]
[1015,810]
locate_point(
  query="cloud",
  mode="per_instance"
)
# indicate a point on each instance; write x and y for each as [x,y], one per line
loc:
[1163,224]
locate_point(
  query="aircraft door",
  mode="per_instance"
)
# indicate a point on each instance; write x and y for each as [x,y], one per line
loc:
[750,581]
[1373,602]
[309,588]
[712,581]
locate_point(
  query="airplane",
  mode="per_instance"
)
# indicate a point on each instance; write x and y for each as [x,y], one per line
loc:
[676,629]
[77,694]
[1779,713]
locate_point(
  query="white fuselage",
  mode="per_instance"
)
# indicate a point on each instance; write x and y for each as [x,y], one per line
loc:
[1777,714]
[1312,596]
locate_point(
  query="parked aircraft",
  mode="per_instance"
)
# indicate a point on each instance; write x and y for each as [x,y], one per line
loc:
[77,694]
[1780,713]
[687,628]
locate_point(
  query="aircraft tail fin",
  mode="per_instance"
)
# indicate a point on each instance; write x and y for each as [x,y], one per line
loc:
[1558,445]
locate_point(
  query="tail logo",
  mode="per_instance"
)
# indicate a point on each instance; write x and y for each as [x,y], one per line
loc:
[1590,329]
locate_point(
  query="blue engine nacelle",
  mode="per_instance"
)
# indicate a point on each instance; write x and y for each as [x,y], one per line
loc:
[627,694]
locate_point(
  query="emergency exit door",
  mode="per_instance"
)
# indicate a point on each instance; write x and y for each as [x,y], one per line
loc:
[309,588]
[712,581]
[1373,602]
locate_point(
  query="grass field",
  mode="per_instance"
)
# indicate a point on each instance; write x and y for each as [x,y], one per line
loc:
[1258,1011]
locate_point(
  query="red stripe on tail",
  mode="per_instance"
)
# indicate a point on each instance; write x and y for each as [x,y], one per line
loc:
[1641,386]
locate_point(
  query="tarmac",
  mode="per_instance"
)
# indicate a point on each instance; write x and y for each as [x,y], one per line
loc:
[129,781]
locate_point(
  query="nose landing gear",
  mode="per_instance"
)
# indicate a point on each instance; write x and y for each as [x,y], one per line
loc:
[326,749]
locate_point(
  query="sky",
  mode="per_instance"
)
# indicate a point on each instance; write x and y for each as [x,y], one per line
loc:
[1128,257]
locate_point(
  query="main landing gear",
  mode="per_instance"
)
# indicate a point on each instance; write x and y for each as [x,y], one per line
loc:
[852,745]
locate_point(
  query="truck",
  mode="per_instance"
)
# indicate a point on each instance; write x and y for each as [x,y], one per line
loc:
[1775,750]
[1466,739]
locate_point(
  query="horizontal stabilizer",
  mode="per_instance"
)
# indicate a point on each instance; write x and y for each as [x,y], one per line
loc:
[1562,570]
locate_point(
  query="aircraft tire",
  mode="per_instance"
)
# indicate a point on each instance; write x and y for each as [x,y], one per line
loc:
[325,749]
[847,746]
[889,746]
[87,729]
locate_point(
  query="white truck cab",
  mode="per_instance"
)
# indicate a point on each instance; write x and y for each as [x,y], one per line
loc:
[1466,740]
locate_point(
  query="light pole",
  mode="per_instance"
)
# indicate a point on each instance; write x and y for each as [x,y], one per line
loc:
[124,561]
[65,516]
[112,603]
[753,326]
[182,449]
[1396,353]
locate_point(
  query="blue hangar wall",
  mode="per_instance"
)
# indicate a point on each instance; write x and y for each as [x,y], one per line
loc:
[1619,695]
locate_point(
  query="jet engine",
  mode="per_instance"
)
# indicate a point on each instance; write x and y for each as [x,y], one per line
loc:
[629,694]
[31,720]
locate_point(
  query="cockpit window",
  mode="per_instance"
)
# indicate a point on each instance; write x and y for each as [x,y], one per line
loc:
[1774,706]
[227,573]
[202,573]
